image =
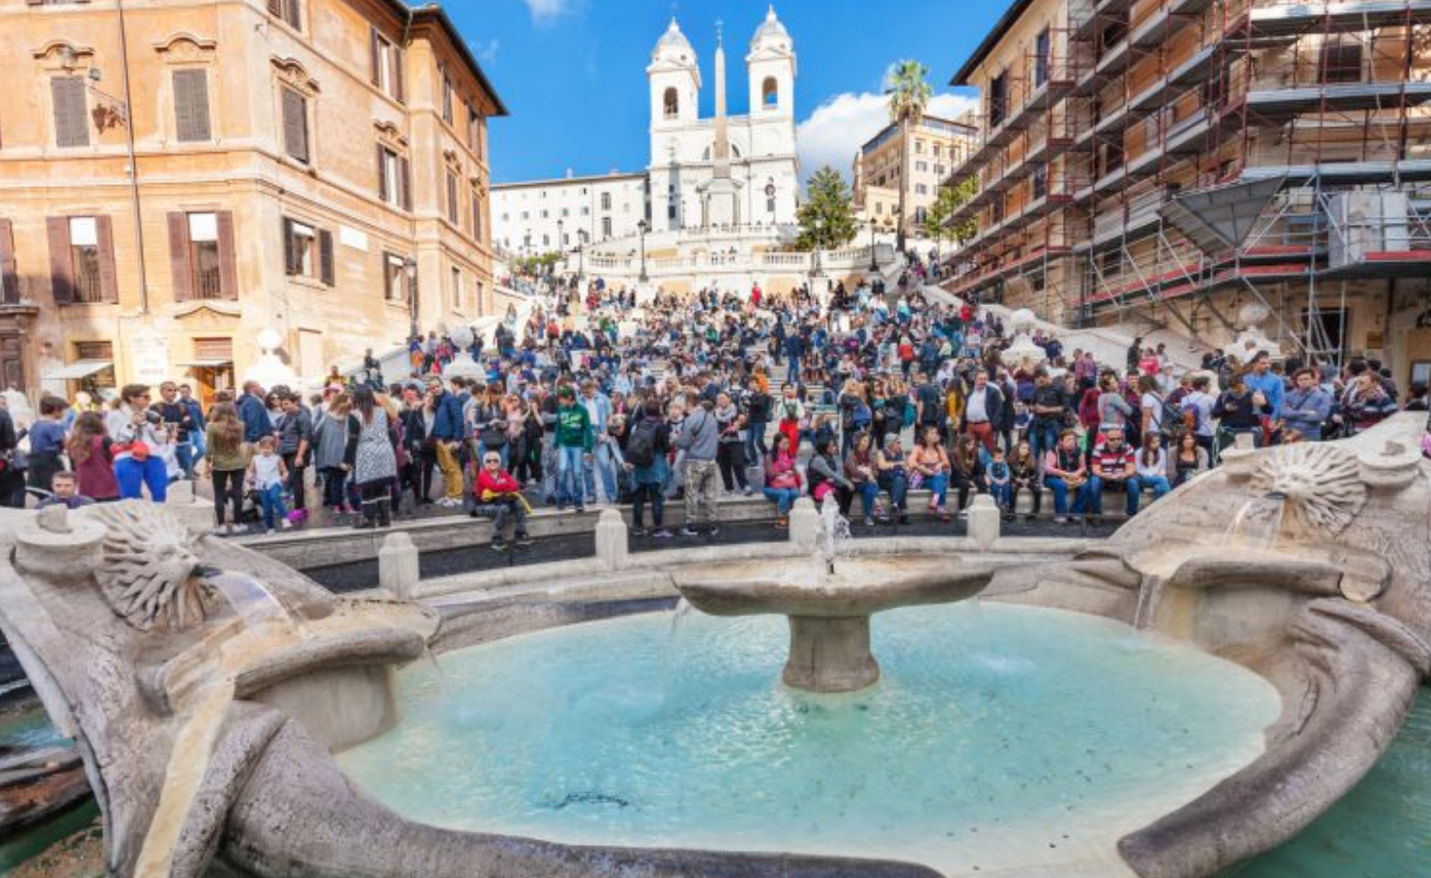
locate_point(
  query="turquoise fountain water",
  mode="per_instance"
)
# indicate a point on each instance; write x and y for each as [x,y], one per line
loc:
[1000,737]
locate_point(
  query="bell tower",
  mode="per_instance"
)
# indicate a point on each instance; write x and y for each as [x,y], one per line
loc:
[771,66]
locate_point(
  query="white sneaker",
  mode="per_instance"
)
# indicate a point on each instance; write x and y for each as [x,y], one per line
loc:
[285,524]
[269,532]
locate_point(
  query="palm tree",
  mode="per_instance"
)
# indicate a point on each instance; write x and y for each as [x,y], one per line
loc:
[909,94]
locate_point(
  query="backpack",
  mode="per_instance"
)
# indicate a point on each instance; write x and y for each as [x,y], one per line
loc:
[641,447]
[1173,414]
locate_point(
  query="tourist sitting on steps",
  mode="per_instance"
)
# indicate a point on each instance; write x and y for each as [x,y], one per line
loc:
[498,496]
[1115,468]
[891,464]
[827,476]
[1064,470]
[929,469]
[860,470]
[782,479]
[1152,465]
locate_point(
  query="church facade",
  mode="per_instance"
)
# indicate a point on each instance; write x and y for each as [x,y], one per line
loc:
[759,164]
[762,158]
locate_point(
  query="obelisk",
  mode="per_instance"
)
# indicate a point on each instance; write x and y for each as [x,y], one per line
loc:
[720,195]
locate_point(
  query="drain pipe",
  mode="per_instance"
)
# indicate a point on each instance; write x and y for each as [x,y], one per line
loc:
[133,160]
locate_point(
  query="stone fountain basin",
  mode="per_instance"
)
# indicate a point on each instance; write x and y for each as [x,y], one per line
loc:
[859,587]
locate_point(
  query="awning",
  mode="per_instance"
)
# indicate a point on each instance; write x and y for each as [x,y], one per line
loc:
[213,363]
[77,370]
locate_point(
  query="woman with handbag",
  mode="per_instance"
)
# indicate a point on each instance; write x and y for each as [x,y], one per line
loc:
[490,426]
[227,464]
[131,425]
[782,479]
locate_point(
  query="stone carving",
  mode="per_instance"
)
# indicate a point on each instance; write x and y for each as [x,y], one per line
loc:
[148,567]
[1022,352]
[1322,484]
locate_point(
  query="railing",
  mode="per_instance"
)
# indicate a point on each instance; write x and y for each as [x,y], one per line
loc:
[208,284]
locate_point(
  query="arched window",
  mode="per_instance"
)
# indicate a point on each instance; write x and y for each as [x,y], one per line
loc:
[672,103]
[770,93]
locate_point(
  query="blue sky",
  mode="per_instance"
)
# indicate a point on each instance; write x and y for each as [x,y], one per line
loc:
[572,72]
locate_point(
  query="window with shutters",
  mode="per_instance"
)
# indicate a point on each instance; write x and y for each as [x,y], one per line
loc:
[395,285]
[387,60]
[295,125]
[606,224]
[606,201]
[474,127]
[84,259]
[289,11]
[302,249]
[205,276]
[476,215]
[456,288]
[71,111]
[191,105]
[446,95]
[390,177]
[218,350]
[452,206]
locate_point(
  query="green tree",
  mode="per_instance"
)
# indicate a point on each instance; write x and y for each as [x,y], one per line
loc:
[909,93]
[950,198]
[827,219]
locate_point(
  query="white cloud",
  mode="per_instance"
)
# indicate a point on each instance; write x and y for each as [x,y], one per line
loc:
[547,10]
[839,127]
[488,53]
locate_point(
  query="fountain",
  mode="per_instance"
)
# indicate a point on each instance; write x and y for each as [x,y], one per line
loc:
[828,600]
[208,688]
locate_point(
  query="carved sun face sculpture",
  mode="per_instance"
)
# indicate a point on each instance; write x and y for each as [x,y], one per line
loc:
[1322,484]
[148,573]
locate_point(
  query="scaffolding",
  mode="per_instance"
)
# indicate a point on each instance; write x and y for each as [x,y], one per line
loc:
[1170,97]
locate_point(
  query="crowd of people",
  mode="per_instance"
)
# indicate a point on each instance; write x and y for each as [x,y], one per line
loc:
[868,394]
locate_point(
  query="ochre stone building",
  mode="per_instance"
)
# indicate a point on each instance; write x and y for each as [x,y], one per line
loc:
[176,177]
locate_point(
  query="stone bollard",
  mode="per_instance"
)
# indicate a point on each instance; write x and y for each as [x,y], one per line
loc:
[611,542]
[398,571]
[984,519]
[197,513]
[804,525]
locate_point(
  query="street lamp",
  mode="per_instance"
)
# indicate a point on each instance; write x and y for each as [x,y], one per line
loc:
[581,238]
[643,227]
[409,267]
[874,263]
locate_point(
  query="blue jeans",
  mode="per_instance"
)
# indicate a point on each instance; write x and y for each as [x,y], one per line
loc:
[135,475]
[1159,484]
[603,463]
[570,466]
[271,499]
[898,486]
[1003,495]
[184,454]
[1043,438]
[783,498]
[868,491]
[755,441]
[938,486]
[1131,486]
[1059,488]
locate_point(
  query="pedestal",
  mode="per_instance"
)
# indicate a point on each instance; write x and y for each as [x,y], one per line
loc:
[830,654]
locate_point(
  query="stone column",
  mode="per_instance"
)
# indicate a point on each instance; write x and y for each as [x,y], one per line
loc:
[398,571]
[611,541]
[984,520]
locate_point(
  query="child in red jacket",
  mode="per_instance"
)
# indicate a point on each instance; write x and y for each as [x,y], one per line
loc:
[499,496]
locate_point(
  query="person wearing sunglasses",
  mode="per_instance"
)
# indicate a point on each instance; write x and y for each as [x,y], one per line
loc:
[498,496]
